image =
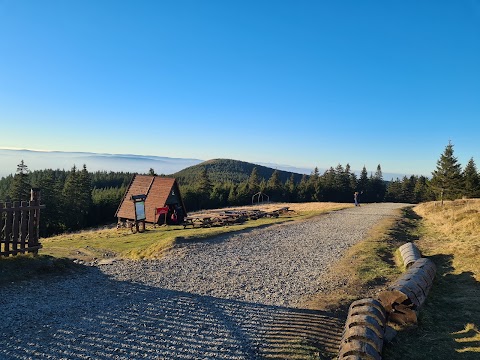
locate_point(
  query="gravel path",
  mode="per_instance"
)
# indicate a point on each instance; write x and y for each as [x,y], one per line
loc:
[232,297]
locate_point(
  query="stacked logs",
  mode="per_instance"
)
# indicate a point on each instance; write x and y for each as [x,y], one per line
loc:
[364,331]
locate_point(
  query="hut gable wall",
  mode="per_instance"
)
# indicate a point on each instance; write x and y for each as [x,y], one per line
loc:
[139,185]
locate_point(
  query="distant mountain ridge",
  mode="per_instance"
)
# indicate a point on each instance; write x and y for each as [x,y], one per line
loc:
[224,170]
[40,160]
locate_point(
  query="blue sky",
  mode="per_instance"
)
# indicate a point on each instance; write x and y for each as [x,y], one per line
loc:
[303,83]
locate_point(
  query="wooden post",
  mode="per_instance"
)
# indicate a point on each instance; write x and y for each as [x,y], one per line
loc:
[8,227]
[2,247]
[35,200]
[23,225]
[16,226]
[31,226]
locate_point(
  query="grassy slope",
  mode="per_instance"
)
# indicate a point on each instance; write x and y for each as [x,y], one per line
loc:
[449,321]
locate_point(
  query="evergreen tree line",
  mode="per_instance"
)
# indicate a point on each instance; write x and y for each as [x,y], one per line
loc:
[77,199]
[335,185]
[74,199]
[338,184]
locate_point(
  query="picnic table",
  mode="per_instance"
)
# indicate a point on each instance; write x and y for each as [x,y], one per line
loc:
[228,217]
[197,220]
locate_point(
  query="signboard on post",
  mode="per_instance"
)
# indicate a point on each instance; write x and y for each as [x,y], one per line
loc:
[140,210]
[139,204]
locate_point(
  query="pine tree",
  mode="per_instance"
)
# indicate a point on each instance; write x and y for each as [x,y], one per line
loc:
[290,189]
[422,191]
[20,187]
[408,187]
[274,186]
[471,180]
[363,180]
[85,195]
[315,186]
[254,181]
[72,207]
[204,188]
[302,190]
[394,191]
[378,185]
[447,178]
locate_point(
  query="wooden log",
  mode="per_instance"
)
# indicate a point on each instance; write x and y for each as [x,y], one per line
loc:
[410,254]
[359,348]
[397,294]
[365,321]
[371,311]
[364,334]
[403,315]
[420,277]
[427,265]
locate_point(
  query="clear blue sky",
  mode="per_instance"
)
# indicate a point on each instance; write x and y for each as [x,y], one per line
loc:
[303,83]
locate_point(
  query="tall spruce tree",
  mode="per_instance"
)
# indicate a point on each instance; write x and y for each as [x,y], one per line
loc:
[72,209]
[85,193]
[314,186]
[378,185]
[363,180]
[20,186]
[447,178]
[290,189]
[275,186]
[204,188]
[254,181]
[471,180]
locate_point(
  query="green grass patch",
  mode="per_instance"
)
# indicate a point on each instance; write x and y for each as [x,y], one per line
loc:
[150,244]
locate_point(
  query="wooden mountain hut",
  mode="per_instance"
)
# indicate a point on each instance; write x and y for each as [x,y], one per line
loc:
[162,200]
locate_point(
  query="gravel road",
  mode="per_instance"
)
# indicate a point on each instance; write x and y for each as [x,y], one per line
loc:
[232,297]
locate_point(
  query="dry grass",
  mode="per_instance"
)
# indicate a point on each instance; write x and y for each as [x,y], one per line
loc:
[454,229]
[450,318]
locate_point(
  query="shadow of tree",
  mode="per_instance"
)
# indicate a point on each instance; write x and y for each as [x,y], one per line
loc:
[92,316]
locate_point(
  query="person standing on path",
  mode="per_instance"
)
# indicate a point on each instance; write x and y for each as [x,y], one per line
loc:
[355,198]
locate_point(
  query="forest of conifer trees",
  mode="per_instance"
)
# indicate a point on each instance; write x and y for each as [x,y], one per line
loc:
[78,199]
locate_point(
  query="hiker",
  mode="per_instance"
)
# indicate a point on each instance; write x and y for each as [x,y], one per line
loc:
[355,198]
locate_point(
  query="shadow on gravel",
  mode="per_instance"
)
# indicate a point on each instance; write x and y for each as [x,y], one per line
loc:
[90,316]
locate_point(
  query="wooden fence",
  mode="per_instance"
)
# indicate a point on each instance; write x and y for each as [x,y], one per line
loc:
[19,226]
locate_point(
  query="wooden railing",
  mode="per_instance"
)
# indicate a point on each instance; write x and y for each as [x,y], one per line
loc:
[19,226]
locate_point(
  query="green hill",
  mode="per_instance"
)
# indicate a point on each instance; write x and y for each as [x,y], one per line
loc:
[224,170]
